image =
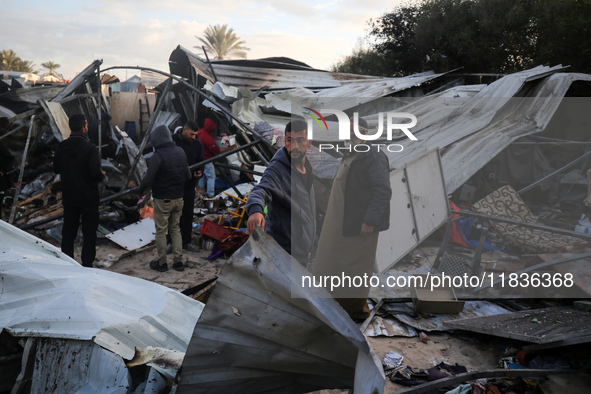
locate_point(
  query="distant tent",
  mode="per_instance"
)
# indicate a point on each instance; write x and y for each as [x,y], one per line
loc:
[131,85]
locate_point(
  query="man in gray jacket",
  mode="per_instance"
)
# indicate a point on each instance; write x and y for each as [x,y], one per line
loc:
[167,172]
[286,188]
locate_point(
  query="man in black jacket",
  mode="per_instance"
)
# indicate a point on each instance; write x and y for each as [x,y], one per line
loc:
[76,159]
[186,138]
[167,173]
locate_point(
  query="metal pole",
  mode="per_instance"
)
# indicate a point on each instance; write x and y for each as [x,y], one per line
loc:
[20,175]
[148,132]
[233,167]
[209,62]
[525,224]
[230,182]
[224,154]
[536,183]
[100,123]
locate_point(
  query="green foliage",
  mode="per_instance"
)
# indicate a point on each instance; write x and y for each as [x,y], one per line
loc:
[222,42]
[50,66]
[9,61]
[363,61]
[496,36]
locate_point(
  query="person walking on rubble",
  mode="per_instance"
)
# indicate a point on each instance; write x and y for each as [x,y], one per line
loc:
[185,138]
[287,190]
[210,149]
[358,209]
[76,160]
[167,173]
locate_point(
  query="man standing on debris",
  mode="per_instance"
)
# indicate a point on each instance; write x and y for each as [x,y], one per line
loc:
[185,138]
[210,149]
[167,173]
[287,190]
[358,209]
[76,160]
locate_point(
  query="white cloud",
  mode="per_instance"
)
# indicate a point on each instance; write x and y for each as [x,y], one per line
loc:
[145,33]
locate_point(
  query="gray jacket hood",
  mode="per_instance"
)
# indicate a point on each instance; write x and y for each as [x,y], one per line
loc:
[160,135]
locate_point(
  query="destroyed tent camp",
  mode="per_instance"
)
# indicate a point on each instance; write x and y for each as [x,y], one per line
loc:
[462,130]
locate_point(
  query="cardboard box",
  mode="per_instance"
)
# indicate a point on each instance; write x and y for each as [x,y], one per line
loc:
[438,300]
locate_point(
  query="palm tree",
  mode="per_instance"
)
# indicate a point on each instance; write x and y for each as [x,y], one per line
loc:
[223,42]
[26,66]
[50,66]
[9,61]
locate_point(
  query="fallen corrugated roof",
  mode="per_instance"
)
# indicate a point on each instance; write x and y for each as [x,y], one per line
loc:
[257,333]
[475,129]
[257,74]
[47,294]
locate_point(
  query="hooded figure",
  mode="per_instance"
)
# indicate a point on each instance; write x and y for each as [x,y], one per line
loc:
[210,149]
[167,173]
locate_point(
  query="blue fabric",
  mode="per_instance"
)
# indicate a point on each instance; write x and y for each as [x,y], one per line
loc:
[209,177]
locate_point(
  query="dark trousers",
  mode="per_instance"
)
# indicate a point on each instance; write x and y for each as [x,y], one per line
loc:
[90,220]
[187,215]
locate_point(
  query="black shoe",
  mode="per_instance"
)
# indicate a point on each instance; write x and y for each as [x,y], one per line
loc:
[190,248]
[155,265]
[169,249]
[178,266]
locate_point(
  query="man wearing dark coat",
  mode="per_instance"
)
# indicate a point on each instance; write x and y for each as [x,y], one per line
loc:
[76,160]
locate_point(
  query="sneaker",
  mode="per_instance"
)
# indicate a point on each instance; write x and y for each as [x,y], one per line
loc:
[178,266]
[156,266]
[169,249]
[190,248]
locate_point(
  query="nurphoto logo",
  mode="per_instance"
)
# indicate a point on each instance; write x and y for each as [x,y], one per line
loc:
[354,137]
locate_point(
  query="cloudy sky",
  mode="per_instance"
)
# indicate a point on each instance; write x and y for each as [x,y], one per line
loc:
[73,33]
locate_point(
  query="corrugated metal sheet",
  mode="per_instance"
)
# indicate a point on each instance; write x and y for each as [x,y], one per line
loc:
[476,128]
[435,322]
[257,333]
[258,74]
[47,294]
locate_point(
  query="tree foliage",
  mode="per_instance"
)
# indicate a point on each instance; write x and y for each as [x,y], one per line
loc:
[9,61]
[494,36]
[50,66]
[363,61]
[222,42]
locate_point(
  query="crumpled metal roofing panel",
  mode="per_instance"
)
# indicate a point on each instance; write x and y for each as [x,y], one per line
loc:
[45,294]
[255,335]
[477,127]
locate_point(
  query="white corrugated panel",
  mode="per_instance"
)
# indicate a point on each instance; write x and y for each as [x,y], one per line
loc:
[47,294]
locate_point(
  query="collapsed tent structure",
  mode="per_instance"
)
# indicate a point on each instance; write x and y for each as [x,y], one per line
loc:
[473,141]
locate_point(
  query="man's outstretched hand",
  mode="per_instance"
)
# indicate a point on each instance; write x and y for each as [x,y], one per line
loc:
[254,220]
